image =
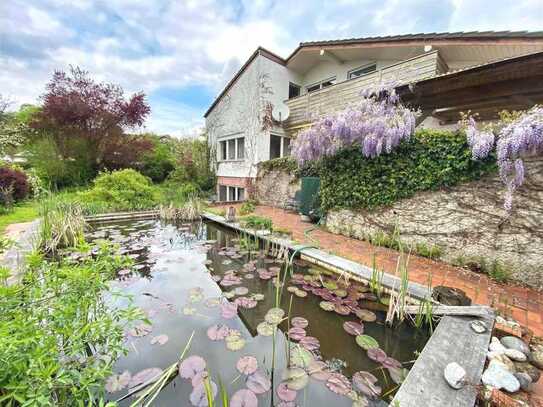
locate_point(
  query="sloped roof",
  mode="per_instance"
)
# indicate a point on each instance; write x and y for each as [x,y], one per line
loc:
[490,36]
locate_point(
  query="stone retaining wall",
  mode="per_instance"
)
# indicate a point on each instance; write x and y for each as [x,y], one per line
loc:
[276,188]
[467,220]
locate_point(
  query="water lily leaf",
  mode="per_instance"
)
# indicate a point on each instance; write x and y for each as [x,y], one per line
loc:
[397,374]
[319,370]
[327,306]
[234,341]
[243,398]
[274,316]
[296,333]
[342,309]
[376,354]
[310,343]
[286,394]
[140,330]
[118,382]
[212,302]
[226,262]
[241,290]
[265,329]
[245,302]
[218,332]
[366,315]
[300,357]
[198,397]
[391,363]
[257,296]
[340,293]
[148,375]
[300,293]
[366,383]
[295,378]
[191,366]
[247,365]
[292,289]
[229,310]
[338,383]
[366,342]
[331,285]
[299,322]
[159,339]
[258,382]
[353,328]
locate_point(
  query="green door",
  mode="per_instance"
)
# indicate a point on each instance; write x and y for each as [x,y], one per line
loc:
[309,194]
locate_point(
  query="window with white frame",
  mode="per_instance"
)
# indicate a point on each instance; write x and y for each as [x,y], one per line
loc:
[320,85]
[231,194]
[232,149]
[279,146]
[361,70]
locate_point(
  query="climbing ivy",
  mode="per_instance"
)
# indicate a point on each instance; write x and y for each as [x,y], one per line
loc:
[429,160]
[289,165]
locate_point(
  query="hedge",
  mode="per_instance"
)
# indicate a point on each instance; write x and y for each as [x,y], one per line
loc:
[430,160]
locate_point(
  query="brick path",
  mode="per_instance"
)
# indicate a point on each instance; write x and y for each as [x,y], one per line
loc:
[522,304]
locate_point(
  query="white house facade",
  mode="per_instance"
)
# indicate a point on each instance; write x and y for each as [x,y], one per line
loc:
[270,99]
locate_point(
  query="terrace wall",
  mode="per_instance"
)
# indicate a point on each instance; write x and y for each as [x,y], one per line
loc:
[276,187]
[467,220]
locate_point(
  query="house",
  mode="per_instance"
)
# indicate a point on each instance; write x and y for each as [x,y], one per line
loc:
[272,98]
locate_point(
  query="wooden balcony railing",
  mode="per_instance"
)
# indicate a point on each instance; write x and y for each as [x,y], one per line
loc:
[306,108]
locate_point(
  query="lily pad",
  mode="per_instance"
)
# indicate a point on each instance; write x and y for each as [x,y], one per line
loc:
[295,378]
[327,306]
[148,375]
[218,332]
[299,322]
[397,375]
[245,302]
[310,343]
[234,341]
[318,370]
[274,316]
[244,398]
[191,366]
[258,382]
[376,354]
[196,294]
[338,383]
[391,363]
[140,330]
[286,394]
[247,365]
[241,290]
[342,309]
[353,328]
[366,383]
[300,357]
[159,339]
[229,310]
[300,293]
[366,342]
[265,329]
[118,382]
[331,285]
[198,397]
[296,333]
[366,315]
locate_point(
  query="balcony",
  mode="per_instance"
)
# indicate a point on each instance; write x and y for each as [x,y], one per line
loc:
[307,108]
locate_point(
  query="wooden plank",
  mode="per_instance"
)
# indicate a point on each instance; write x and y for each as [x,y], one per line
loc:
[452,341]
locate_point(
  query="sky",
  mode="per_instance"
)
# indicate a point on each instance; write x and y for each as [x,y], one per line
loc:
[181,53]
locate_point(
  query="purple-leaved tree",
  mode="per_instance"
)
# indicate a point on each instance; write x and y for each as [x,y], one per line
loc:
[520,137]
[376,124]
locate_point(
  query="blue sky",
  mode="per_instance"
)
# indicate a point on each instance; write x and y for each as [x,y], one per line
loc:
[181,53]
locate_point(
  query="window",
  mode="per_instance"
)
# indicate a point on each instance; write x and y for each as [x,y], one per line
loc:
[279,146]
[232,149]
[293,90]
[231,194]
[363,70]
[322,84]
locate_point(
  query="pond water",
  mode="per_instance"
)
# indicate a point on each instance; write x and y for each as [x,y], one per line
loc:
[187,279]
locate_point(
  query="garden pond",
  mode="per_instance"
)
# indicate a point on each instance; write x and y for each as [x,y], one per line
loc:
[211,283]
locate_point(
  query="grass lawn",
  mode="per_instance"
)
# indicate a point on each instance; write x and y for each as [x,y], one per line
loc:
[24,212]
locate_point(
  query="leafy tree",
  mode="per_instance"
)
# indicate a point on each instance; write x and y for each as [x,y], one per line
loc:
[97,114]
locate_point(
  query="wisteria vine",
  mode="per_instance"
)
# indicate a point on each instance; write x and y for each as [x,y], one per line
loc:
[522,137]
[376,124]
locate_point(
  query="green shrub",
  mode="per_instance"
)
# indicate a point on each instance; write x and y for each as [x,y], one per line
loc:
[430,251]
[257,222]
[121,190]
[430,160]
[14,185]
[247,208]
[158,163]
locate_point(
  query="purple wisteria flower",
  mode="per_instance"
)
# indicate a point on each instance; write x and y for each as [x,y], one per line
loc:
[377,124]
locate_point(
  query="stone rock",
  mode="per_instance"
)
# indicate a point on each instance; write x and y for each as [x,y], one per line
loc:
[515,355]
[512,342]
[502,359]
[496,346]
[532,371]
[478,327]
[450,296]
[498,377]
[455,375]
[536,357]
[525,381]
